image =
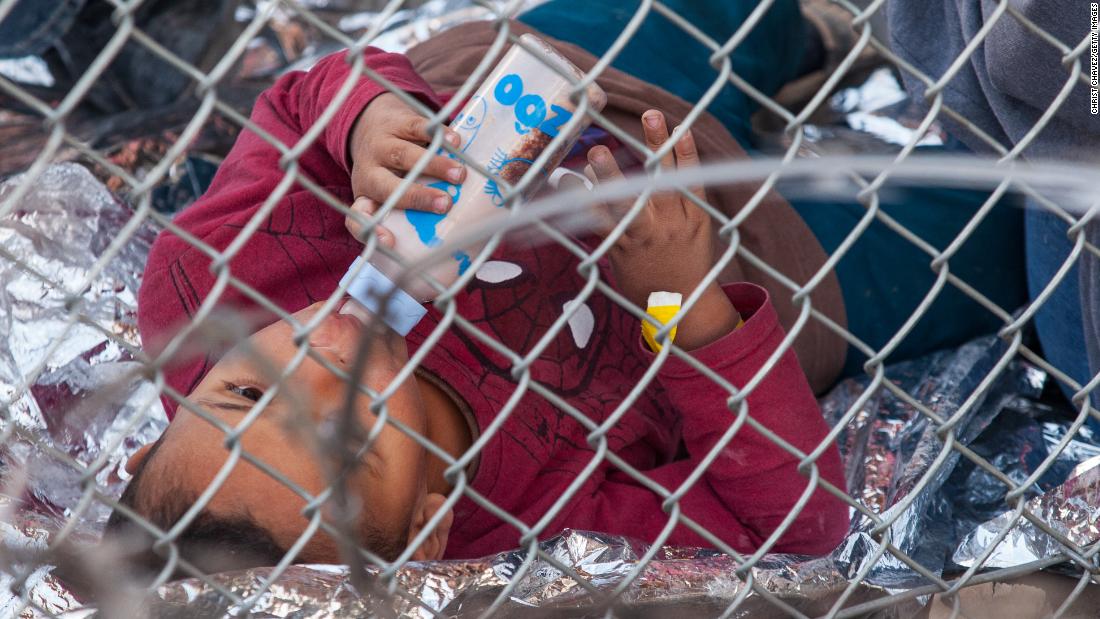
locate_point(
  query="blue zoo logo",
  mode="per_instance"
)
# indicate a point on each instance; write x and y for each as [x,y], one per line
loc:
[451,189]
[530,108]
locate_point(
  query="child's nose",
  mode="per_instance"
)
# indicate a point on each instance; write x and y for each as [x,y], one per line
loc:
[334,356]
[341,347]
[340,336]
[325,341]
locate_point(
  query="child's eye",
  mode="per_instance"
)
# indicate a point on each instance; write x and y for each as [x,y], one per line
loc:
[250,393]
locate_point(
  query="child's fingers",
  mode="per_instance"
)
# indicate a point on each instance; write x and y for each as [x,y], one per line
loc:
[655,130]
[656,134]
[402,156]
[378,183]
[365,207]
[603,165]
[687,156]
[604,169]
[601,211]
[408,125]
[569,182]
[600,221]
[590,174]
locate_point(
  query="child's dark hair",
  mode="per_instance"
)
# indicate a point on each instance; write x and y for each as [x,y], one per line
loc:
[210,543]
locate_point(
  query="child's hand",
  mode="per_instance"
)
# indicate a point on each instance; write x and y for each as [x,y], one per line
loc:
[386,142]
[669,246]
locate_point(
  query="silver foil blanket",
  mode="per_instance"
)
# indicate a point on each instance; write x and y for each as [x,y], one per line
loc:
[1072,510]
[686,580]
[890,446]
[89,402]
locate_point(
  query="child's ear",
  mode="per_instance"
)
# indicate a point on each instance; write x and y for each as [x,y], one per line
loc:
[135,460]
[436,543]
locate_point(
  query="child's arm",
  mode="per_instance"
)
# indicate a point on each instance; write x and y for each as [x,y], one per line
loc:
[300,249]
[359,142]
[752,484]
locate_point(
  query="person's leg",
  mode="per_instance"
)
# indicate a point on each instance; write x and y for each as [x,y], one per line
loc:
[884,277]
[1060,321]
[1090,304]
[663,54]
[33,26]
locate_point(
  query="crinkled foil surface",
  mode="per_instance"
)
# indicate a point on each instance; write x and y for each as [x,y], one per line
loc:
[88,407]
[684,580]
[1071,510]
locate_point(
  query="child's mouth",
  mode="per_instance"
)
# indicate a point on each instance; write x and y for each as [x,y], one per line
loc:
[353,308]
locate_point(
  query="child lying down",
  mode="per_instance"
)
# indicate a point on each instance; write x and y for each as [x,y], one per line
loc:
[296,257]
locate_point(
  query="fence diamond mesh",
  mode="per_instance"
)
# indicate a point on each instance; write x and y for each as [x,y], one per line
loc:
[967,463]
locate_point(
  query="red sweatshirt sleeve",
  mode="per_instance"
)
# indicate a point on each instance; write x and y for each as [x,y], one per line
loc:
[753,483]
[300,250]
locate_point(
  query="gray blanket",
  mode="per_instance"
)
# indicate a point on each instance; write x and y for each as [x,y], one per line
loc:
[1011,79]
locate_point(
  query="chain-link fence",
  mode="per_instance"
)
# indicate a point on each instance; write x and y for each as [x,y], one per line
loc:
[964,461]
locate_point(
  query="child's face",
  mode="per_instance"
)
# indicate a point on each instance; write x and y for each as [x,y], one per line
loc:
[389,482]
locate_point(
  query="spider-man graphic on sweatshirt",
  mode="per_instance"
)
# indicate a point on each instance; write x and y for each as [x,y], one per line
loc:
[301,250]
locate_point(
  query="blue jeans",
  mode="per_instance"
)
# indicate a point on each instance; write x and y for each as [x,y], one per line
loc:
[33,26]
[1060,321]
[884,277]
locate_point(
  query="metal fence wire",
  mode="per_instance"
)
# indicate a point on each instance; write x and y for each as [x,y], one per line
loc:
[40,572]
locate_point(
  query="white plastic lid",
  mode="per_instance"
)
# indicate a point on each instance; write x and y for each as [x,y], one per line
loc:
[371,289]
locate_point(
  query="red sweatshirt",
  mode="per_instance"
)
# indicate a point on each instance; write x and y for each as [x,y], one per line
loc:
[301,250]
